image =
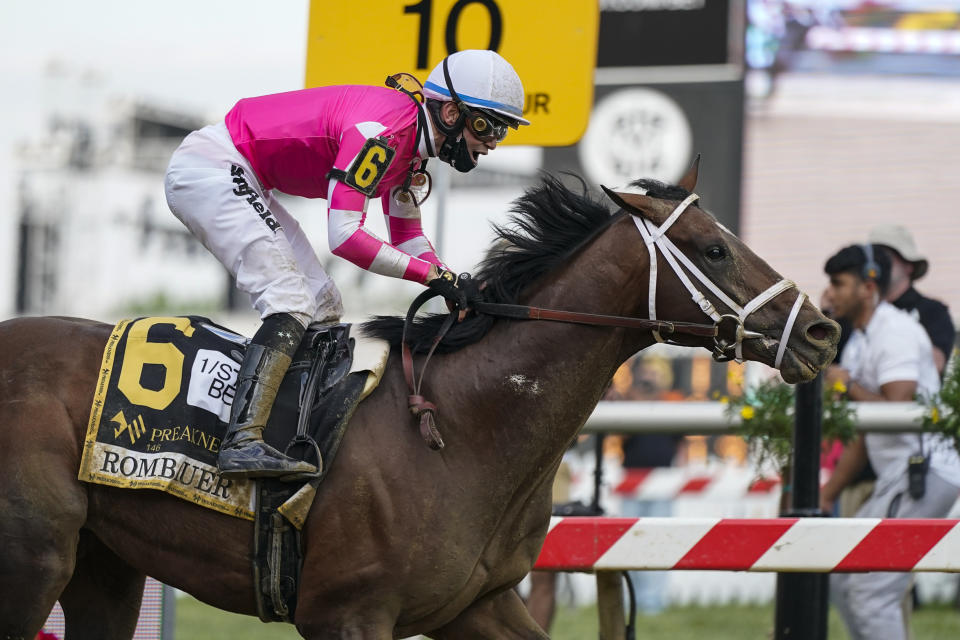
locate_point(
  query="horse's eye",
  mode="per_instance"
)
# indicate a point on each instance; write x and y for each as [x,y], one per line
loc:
[715,253]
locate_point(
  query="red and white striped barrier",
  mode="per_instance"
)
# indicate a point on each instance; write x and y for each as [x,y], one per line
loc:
[768,544]
[667,483]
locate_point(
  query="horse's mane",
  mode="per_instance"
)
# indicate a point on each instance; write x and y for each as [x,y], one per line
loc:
[657,189]
[549,223]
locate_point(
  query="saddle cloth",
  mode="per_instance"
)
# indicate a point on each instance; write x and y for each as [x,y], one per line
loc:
[162,402]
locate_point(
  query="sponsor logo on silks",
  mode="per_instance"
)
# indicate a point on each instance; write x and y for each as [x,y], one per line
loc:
[134,429]
[243,189]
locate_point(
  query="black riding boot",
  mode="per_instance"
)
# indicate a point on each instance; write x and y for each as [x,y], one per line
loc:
[244,453]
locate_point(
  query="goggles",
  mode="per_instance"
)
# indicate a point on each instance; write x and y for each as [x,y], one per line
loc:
[486,127]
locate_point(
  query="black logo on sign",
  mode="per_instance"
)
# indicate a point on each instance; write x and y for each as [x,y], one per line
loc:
[243,189]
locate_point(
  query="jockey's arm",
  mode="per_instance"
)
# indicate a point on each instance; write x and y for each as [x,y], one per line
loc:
[406,231]
[350,240]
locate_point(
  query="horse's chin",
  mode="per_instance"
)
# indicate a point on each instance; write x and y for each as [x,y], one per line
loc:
[796,368]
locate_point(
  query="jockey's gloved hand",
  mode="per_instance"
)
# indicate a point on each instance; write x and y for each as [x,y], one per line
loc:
[470,287]
[458,290]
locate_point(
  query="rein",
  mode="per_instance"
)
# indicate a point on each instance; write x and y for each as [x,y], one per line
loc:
[522,312]
[419,406]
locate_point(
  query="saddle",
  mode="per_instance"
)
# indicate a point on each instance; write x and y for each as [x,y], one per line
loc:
[309,418]
[315,398]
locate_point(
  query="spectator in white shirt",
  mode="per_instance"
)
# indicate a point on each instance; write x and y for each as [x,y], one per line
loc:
[889,358]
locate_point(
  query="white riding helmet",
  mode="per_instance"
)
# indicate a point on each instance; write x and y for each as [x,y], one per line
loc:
[482,79]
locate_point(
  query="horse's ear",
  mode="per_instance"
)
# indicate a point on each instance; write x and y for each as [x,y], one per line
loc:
[689,179]
[635,203]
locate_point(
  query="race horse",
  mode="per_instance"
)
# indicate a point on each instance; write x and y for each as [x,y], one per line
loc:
[400,539]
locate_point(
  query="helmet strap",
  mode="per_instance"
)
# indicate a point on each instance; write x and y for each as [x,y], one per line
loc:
[458,155]
[422,131]
[454,149]
[461,105]
[435,107]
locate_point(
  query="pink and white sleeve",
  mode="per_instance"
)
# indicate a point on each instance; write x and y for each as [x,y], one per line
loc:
[406,230]
[351,241]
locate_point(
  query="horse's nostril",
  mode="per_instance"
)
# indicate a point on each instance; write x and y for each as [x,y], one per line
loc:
[823,331]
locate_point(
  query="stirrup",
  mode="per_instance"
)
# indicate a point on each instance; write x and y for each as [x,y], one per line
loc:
[301,441]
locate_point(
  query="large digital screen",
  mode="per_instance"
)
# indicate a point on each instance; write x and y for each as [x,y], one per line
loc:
[870,36]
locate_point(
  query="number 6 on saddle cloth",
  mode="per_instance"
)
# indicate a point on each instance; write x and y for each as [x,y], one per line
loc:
[164,398]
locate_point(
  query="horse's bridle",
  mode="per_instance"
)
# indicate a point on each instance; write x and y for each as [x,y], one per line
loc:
[725,340]
[656,238]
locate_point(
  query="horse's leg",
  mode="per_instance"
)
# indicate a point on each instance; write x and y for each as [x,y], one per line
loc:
[499,617]
[102,600]
[43,507]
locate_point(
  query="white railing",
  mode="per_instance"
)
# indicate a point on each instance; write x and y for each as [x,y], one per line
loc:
[701,418]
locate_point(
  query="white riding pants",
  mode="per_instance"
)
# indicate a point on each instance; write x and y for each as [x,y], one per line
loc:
[869,603]
[213,190]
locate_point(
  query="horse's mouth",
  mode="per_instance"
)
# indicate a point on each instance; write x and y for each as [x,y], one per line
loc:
[801,367]
[796,368]
[772,345]
[805,362]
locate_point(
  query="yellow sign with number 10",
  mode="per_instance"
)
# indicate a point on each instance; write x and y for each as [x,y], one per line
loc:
[552,45]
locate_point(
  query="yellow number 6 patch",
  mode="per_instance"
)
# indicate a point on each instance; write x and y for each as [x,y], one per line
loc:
[370,166]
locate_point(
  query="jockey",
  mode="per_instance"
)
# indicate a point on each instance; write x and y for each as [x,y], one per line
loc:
[346,144]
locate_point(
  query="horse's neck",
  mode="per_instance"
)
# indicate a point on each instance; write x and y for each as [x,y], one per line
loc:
[546,377]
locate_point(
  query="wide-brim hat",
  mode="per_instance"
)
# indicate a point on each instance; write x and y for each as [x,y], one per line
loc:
[899,239]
